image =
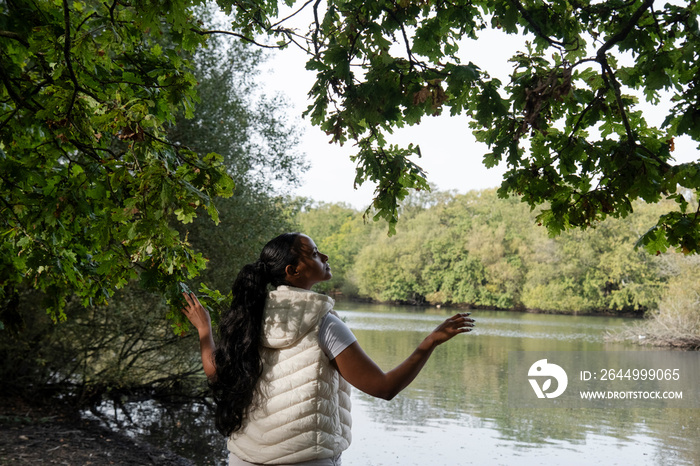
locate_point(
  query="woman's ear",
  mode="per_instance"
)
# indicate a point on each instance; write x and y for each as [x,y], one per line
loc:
[291,271]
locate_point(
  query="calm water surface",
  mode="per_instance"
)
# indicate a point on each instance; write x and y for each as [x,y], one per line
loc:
[457,411]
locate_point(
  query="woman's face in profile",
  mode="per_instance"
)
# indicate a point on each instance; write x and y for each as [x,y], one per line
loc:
[313,266]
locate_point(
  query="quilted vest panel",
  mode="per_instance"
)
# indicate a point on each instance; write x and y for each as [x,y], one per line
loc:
[302,407]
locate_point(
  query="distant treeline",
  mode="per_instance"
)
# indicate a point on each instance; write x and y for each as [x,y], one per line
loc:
[479,250]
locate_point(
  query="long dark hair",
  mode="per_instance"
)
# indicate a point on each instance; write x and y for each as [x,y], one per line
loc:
[237,355]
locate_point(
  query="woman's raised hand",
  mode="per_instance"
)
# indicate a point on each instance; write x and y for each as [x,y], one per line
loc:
[458,323]
[363,373]
[199,317]
[196,313]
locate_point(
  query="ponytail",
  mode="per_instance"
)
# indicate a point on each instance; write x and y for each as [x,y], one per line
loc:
[237,356]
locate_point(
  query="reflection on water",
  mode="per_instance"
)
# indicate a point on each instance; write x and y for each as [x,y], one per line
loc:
[185,428]
[457,411]
[535,326]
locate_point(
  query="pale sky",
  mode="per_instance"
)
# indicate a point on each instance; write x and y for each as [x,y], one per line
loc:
[451,156]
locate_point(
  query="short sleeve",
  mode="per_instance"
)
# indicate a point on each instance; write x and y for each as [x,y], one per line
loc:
[334,336]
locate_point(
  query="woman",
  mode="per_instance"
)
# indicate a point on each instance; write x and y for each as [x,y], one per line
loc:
[281,369]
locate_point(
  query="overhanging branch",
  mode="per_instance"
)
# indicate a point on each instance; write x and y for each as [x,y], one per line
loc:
[240,36]
[607,72]
[14,36]
[538,30]
[66,53]
[626,30]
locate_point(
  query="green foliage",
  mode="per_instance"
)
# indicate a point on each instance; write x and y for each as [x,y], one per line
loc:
[676,322]
[93,184]
[453,275]
[569,125]
[90,184]
[678,316]
[257,146]
[389,269]
[479,250]
[127,346]
[596,270]
[340,233]
[101,351]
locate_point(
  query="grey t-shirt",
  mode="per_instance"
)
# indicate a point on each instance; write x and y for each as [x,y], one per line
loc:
[334,336]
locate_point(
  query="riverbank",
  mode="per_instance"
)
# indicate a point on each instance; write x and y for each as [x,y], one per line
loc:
[55,434]
[459,307]
[647,335]
[663,330]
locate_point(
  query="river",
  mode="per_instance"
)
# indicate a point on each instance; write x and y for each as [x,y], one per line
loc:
[458,412]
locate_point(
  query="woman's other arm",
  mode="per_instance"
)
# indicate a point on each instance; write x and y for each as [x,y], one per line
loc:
[199,317]
[363,373]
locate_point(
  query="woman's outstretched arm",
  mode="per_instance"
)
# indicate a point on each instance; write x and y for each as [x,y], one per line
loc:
[199,317]
[363,373]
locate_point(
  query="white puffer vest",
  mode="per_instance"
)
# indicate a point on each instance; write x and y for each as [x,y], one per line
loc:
[302,407]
